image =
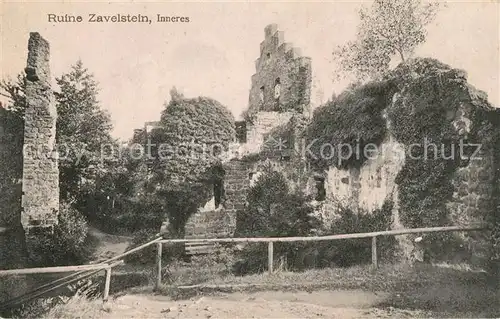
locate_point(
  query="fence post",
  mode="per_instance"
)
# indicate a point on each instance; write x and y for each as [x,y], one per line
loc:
[159,247]
[270,254]
[107,284]
[374,252]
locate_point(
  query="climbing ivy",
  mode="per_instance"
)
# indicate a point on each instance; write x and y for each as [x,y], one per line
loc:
[424,113]
[349,123]
[193,132]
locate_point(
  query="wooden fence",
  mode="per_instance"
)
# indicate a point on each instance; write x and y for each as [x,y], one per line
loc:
[89,270]
[271,240]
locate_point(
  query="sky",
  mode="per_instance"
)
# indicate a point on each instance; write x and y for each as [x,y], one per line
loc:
[213,54]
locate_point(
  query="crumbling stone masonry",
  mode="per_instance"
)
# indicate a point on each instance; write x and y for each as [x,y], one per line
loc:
[281,89]
[40,185]
[221,221]
[283,78]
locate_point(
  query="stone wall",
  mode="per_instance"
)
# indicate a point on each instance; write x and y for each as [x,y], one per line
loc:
[210,224]
[280,63]
[263,124]
[368,187]
[221,222]
[40,200]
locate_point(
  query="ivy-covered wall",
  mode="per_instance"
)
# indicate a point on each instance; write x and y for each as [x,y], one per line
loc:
[456,187]
[427,112]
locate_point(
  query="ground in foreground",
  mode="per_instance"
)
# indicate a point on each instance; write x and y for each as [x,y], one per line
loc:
[264,304]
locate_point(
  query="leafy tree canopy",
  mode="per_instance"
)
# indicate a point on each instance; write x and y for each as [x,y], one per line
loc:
[388,29]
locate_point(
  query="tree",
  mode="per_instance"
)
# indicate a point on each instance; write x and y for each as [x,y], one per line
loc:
[11,145]
[388,29]
[14,90]
[83,128]
[275,210]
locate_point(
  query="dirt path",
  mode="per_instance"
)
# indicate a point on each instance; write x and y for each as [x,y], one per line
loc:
[320,304]
[109,245]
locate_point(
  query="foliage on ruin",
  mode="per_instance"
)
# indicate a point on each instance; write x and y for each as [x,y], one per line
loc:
[193,133]
[423,112]
[347,125]
[388,29]
[494,220]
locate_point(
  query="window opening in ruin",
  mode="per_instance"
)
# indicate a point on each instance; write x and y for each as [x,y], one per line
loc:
[261,94]
[216,150]
[320,189]
[277,93]
[302,88]
[268,55]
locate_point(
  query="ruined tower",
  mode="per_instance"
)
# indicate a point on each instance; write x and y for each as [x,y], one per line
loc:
[280,92]
[40,185]
[281,88]
[283,77]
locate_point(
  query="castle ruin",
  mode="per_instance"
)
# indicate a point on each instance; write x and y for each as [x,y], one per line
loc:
[280,90]
[280,98]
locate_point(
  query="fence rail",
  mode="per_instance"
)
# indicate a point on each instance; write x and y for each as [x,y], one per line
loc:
[80,272]
[85,271]
[372,235]
[52,270]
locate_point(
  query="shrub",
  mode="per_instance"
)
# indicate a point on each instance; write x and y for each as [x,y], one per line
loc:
[348,252]
[70,244]
[273,211]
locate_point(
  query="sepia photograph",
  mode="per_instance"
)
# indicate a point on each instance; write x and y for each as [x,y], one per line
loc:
[250,159]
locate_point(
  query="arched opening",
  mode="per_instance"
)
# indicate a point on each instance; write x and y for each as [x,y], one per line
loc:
[277,94]
[277,88]
[218,192]
[218,184]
